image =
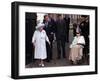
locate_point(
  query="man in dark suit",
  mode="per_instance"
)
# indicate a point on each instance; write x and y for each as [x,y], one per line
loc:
[60,36]
[50,29]
[84,26]
[67,20]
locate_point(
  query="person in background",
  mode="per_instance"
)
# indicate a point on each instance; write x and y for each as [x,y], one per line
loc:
[76,48]
[60,36]
[39,42]
[49,28]
[84,27]
[67,20]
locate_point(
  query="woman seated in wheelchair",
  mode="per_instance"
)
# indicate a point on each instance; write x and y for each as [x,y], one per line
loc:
[76,48]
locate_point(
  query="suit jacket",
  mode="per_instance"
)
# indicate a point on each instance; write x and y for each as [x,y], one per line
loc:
[50,28]
[61,30]
[67,20]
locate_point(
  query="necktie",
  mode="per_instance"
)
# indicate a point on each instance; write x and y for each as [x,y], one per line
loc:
[46,24]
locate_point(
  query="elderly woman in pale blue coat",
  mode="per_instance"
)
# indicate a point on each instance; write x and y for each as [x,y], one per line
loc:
[39,41]
[76,51]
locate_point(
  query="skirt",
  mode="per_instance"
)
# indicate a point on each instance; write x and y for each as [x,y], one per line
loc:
[76,53]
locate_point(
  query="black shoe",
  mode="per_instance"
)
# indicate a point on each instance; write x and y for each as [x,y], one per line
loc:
[71,62]
[58,57]
[47,60]
[79,62]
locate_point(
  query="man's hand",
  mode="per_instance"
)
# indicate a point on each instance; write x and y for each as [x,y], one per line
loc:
[49,43]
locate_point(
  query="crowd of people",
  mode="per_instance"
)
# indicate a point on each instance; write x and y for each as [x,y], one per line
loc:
[58,30]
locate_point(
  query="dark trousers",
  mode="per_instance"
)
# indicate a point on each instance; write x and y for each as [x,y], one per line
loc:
[61,46]
[49,51]
[67,36]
